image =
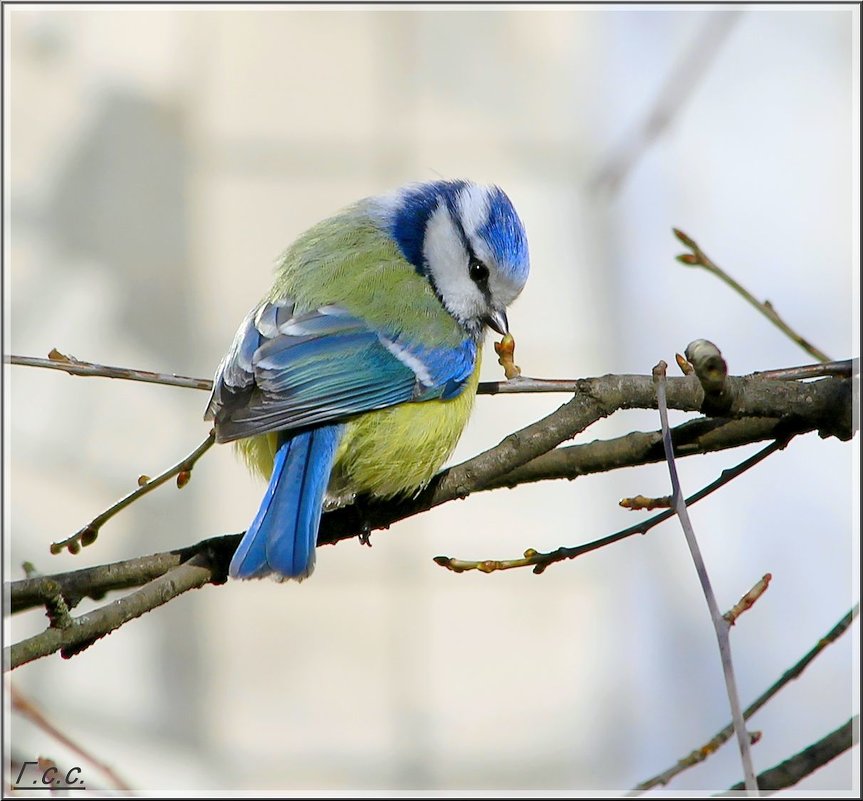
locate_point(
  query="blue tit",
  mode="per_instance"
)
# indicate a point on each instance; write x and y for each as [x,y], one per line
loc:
[357,372]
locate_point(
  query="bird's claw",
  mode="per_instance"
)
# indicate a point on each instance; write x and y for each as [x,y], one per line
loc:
[365,535]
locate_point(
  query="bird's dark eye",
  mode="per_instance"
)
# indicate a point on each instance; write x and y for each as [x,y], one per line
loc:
[477,270]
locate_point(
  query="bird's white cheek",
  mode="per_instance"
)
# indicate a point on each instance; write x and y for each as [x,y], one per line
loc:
[447,260]
[503,292]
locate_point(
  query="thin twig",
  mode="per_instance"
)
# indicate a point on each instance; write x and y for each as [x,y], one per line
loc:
[678,87]
[698,258]
[719,622]
[73,366]
[722,736]
[540,561]
[514,386]
[844,368]
[28,709]
[88,534]
[807,761]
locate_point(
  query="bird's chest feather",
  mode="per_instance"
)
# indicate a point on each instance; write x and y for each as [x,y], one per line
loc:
[387,452]
[397,450]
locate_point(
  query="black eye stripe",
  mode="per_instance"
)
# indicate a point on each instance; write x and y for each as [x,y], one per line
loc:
[477,269]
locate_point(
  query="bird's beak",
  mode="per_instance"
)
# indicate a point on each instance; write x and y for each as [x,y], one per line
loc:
[496,319]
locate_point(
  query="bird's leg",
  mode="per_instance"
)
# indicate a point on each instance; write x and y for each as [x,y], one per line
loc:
[365,534]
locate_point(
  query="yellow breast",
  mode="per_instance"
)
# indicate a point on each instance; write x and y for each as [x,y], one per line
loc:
[387,452]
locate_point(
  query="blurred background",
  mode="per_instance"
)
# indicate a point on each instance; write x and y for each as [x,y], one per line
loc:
[159,159]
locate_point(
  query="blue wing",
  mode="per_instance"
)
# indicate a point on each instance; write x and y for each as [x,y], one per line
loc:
[289,370]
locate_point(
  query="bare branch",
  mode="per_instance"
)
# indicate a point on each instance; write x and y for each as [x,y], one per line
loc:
[73,366]
[844,368]
[94,625]
[95,582]
[792,770]
[702,435]
[28,709]
[539,561]
[719,622]
[517,385]
[597,398]
[678,87]
[183,470]
[823,404]
[698,258]
[722,736]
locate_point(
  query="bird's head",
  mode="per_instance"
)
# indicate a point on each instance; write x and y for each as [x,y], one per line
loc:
[467,240]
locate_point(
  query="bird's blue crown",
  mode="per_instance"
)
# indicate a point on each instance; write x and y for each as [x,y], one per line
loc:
[407,216]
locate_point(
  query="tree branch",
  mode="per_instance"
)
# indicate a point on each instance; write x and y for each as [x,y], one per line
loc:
[183,470]
[95,582]
[519,385]
[698,258]
[823,405]
[720,623]
[540,561]
[23,706]
[798,767]
[88,628]
[817,405]
[73,366]
[702,435]
[722,736]
[678,86]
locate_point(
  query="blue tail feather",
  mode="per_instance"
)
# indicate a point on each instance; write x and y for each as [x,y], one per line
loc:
[283,535]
